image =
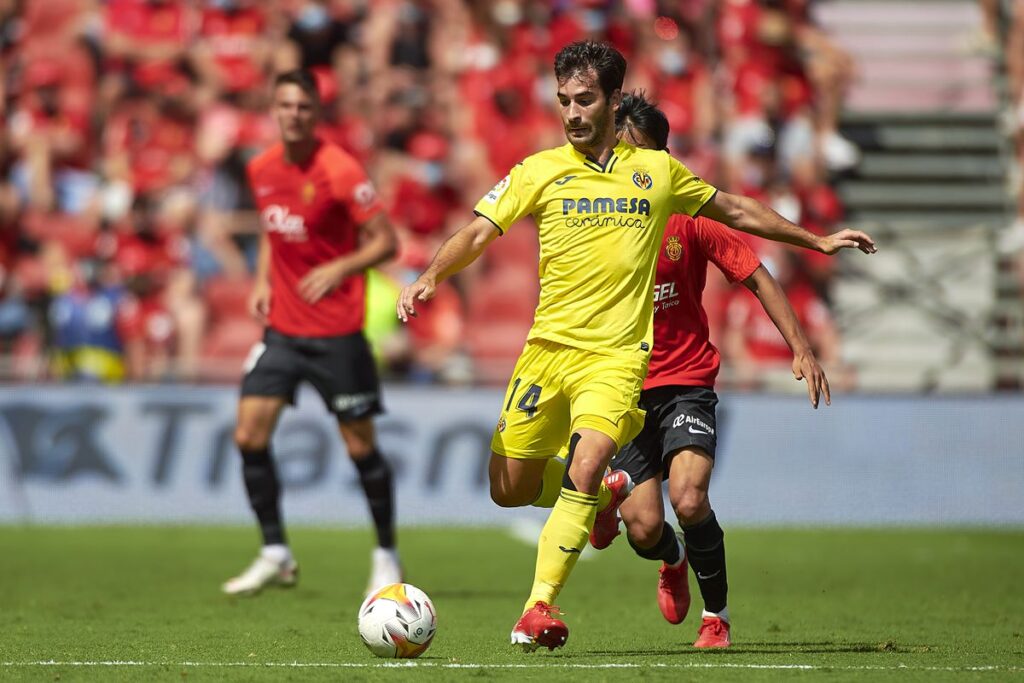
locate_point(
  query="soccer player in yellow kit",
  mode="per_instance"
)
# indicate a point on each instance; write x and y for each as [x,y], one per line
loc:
[601,206]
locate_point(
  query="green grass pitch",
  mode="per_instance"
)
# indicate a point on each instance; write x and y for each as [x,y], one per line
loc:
[865,605]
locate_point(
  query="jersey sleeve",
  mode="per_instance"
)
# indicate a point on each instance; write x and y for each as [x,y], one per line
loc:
[352,187]
[513,197]
[726,250]
[689,193]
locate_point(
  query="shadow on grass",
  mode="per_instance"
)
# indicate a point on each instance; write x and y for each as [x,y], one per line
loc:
[763,648]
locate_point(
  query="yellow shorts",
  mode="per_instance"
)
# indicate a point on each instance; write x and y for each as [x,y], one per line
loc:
[557,389]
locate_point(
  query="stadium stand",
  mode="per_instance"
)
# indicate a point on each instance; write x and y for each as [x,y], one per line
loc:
[130,123]
[924,112]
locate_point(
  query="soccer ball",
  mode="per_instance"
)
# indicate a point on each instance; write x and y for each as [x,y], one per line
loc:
[398,621]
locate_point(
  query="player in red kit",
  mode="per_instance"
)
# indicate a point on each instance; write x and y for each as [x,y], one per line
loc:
[322,228]
[678,439]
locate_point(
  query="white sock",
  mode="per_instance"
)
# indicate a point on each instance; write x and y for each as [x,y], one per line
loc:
[385,554]
[276,552]
[723,615]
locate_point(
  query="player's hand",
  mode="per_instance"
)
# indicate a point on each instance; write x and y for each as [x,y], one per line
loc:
[848,239]
[421,290]
[259,302]
[321,281]
[805,366]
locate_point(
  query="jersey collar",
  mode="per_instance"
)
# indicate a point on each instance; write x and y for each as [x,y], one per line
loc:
[593,165]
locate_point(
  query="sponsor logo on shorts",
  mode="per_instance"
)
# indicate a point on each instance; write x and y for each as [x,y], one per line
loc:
[693,424]
[350,401]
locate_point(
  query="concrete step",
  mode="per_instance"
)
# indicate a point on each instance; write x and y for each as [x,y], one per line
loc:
[932,138]
[909,96]
[878,69]
[836,16]
[923,220]
[864,194]
[930,166]
[985,120]
[933,44]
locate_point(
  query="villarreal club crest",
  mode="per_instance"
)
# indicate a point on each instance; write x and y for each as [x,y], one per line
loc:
[642,179]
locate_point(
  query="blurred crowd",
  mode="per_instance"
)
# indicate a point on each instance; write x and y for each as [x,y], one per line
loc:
[127,232]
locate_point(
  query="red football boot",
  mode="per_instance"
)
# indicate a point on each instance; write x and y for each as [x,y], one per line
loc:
[606,525]
[538,628]
[674,592]
[714,632]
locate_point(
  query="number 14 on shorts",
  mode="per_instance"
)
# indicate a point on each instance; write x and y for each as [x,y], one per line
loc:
[528,401]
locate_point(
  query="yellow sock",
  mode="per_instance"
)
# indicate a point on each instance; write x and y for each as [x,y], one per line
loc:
[561,541]
[551,486]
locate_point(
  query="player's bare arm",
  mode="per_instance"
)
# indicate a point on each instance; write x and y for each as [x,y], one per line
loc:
[457,252]
[750,215]
[259,297]
[805,366]
[377,243]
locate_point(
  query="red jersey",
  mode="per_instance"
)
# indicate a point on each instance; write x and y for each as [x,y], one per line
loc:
[683,354]
[312,213]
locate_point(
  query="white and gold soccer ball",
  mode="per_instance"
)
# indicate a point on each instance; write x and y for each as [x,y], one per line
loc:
[398,621]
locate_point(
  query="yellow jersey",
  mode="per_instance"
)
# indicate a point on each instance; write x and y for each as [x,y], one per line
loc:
[600,230]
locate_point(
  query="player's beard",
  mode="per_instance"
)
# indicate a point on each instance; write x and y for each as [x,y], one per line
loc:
[597,127]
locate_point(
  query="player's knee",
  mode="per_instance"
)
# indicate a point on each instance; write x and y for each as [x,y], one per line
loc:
[644,530]
[248,439]
[691,505]
[586,467]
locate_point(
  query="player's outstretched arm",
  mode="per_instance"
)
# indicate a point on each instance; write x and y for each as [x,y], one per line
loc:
[805,366]
[457,252]
[750,215]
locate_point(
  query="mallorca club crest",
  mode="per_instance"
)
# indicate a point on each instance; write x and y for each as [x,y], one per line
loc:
[308,192]
[673,249]
[642,179]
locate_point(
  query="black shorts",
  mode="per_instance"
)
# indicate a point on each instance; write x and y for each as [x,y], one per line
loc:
[341,369]
[677,417]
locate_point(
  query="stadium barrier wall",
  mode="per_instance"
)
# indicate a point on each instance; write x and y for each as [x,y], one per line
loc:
[164,454]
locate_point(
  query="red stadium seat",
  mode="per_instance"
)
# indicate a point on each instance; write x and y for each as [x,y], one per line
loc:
[231,339]
[227,297]
[76,233]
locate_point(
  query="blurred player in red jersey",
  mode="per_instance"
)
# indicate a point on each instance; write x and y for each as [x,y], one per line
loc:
[679,434]
[323,226]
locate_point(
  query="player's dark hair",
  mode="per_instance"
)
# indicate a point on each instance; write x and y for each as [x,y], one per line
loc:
[636,111]
[302,78]
[583,55]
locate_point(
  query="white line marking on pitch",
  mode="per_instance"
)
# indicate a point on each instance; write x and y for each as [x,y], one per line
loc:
[563,665]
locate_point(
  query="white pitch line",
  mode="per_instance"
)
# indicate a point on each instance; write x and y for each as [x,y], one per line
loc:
[551,665]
